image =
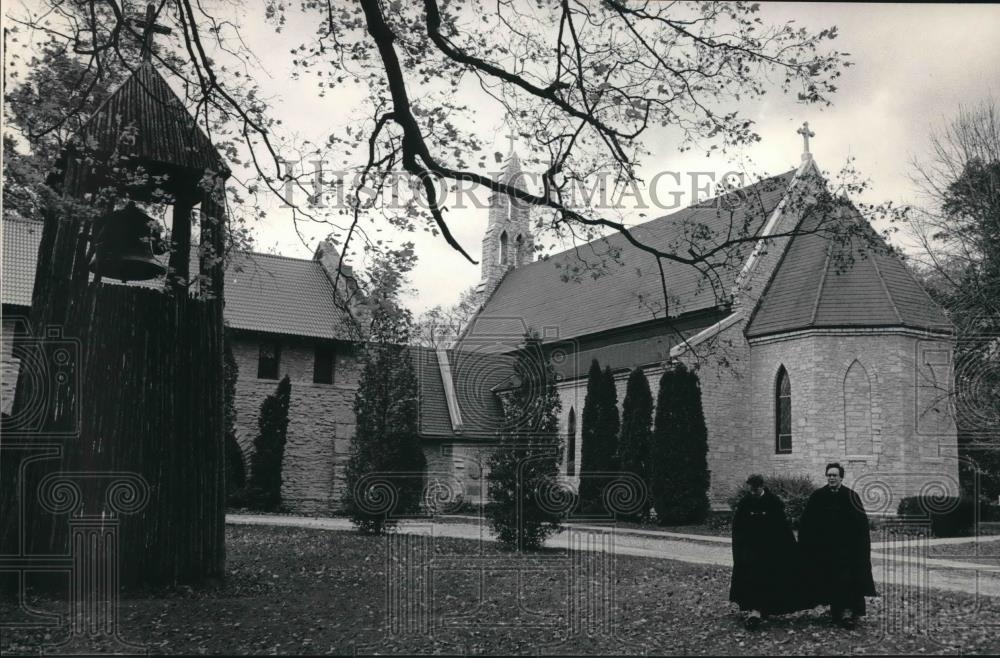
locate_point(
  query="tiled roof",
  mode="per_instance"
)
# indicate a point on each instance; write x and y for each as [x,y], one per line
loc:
[267,293]
[858,282]
[20,250]
[563,293]
[281,295]
[473,375]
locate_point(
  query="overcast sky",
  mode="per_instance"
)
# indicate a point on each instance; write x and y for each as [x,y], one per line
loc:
[913,66]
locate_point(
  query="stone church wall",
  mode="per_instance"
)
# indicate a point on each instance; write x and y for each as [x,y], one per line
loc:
[889,390]
[321,421]
[722,365]
[9,366]
[460,469]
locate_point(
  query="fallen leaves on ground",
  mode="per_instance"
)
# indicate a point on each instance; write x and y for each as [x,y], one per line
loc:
[301,591]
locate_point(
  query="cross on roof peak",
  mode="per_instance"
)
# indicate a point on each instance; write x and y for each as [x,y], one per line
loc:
[149,25]
[806,134]
[511,137]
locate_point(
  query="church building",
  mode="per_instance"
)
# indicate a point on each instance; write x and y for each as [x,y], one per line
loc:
[811,340]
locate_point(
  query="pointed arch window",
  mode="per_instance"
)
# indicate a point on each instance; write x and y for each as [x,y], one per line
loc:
[503,248]
[571,444]
[782,413]
[858,410]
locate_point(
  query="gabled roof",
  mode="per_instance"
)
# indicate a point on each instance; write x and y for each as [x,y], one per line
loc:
[563,292]
[473,375]
[166,131]
[851,281]
[281,295]
[266,293]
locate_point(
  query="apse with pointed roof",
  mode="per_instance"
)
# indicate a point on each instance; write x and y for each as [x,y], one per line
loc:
[822,282]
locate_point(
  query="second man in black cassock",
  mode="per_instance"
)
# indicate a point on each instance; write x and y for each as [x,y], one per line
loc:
[834,538]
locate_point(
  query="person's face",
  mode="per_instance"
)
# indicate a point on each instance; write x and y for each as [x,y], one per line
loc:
[833,478]
[757,491]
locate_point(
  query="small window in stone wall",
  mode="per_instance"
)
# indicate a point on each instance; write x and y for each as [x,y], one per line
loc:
[782,413]
[269,360]
[324,364]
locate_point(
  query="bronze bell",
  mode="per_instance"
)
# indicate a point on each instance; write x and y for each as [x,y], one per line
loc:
[126,243]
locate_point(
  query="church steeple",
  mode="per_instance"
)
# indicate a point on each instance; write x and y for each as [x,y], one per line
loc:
[508,242]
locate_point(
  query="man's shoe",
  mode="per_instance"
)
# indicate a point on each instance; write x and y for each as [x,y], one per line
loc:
[752,623]
[847,620]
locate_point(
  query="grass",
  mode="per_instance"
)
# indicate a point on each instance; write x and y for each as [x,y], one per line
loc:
[311,591]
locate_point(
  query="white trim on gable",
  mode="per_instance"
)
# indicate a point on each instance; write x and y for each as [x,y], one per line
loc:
[772,222]
[705,334]
[454,412]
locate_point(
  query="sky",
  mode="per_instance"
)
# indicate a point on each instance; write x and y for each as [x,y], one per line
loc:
[913,66]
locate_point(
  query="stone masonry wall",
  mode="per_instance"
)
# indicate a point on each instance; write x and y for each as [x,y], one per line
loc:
[456,472]
[321,421]
[9,367]
[912,444]
[722,364]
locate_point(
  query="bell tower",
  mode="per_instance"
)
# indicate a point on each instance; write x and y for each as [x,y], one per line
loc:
[139,388]
[508,242]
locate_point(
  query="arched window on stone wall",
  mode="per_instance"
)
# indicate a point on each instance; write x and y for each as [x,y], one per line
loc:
[782,413]
[571,444]
[503,248]
[858,410]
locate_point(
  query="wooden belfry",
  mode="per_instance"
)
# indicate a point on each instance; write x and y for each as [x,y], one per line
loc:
[144,394]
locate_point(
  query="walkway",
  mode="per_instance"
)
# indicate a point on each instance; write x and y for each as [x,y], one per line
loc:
[888,560]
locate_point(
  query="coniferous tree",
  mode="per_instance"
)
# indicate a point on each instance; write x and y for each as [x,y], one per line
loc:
[599,437]
[524,469]
[590,437]
[680,450]
[385,472]
[635,440]
[612,419]
[264,488]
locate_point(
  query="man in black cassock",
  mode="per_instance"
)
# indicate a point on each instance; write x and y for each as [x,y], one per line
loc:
[765,563]
[833,536]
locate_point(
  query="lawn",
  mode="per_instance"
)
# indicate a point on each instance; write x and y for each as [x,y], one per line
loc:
[314,591]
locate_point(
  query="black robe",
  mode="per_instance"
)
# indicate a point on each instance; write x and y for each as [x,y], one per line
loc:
[766,570]
[833,536]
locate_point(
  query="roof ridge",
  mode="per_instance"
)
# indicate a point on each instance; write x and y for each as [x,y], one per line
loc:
[708,201]
[759,303]
[264,253]
[822,283]
[919,285]
[885,288]
[770,225]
